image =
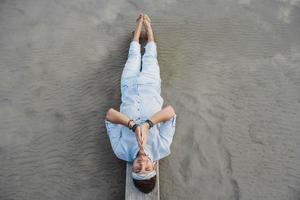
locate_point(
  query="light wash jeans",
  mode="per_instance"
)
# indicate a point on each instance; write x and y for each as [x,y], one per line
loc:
[144,67]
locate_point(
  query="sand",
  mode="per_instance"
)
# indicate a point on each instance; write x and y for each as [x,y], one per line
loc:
[231,70]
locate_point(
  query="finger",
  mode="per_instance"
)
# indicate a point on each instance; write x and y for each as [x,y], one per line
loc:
[142,138]
[143,143]
[142,135]
[140,146]
[140,142]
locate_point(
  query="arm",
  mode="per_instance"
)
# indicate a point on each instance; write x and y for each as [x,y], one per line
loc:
[117,117]
[163,115]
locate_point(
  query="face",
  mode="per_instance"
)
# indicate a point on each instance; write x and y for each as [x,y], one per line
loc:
[142,164]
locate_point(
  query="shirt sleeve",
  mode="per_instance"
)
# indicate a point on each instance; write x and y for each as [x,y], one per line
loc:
[166,132]
[114,132]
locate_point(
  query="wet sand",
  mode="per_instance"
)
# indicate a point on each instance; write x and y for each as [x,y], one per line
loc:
[230,69]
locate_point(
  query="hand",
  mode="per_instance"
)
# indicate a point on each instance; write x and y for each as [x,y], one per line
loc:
[138,135]
[144,132]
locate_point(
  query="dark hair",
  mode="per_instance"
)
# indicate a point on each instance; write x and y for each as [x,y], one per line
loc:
[145,186]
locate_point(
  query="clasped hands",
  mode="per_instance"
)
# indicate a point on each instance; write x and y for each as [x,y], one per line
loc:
[141,134]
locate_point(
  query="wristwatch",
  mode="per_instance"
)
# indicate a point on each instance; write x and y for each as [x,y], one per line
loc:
[150,123]
[132,127]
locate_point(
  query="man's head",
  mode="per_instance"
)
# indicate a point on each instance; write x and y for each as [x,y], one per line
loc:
[142,164]
[143,173]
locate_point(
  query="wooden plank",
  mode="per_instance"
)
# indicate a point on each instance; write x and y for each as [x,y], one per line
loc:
[132,193]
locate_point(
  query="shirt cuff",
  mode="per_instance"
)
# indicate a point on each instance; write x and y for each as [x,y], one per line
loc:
[113,130]
[167,128]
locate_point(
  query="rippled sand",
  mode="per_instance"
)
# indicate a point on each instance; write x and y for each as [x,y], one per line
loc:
[230,69]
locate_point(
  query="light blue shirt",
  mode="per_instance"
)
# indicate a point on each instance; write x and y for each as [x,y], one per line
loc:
[140,100]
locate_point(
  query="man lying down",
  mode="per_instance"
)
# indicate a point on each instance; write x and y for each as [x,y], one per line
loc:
[142,131]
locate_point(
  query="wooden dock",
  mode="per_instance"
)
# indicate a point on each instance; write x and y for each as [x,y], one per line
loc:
[132,193]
